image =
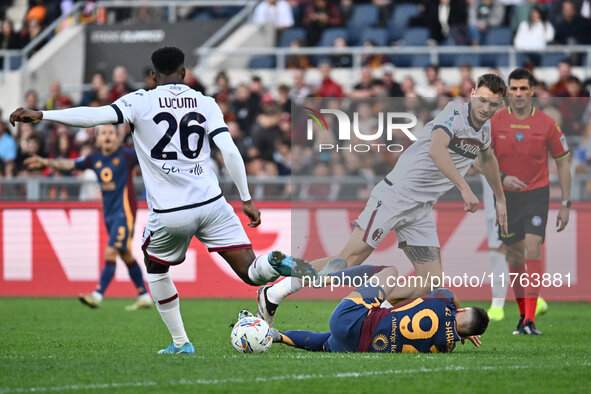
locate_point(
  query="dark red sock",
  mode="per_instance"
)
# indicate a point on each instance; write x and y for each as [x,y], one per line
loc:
[534,270]
[517,288]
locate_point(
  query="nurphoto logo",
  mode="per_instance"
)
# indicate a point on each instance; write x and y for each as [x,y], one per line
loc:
[390,121]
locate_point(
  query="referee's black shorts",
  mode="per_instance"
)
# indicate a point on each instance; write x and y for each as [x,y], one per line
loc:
[527,213]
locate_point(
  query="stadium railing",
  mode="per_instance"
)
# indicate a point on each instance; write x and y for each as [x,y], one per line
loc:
[37,188]
[435,53]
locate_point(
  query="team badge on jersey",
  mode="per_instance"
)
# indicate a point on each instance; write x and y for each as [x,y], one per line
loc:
[116,161]
[536,221]
[563,142]
[377,234]
[98,164]
[519,136]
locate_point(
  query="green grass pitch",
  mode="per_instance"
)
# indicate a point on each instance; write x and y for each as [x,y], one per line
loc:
[58,345]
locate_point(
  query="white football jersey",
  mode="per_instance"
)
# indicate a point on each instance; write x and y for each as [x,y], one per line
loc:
[171,124]
[416,175]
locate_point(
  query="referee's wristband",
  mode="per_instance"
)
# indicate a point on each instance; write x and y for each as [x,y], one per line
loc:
[503,175]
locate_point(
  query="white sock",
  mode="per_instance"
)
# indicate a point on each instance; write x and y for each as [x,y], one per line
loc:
[500,270]
[260,271]
[166,299]
[280,290]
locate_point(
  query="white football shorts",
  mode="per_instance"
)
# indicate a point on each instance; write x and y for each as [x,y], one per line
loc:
[388,210]
[167,235]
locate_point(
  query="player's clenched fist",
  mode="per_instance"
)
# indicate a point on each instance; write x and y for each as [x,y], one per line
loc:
[25,115]
[254,215]
[470,201]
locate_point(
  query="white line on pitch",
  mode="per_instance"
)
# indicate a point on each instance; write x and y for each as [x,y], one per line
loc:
[196,382]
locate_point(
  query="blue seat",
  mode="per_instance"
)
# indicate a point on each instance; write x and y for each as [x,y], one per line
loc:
[378,35]
[472,59]
[415,36]
[551,59]
[290,35]
[410,60]
[15,63]
[499,36]
[400,18]
[364,15]
[330,34]
[262,62]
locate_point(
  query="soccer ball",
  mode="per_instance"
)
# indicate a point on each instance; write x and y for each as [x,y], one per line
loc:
[251,335]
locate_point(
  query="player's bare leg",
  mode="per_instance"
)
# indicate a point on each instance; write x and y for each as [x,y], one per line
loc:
[354,253]
[167,302]
[143,300]
[427,263]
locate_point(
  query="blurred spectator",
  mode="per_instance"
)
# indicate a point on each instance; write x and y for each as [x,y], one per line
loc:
[147,14]
[297,61]
[573,29]
[321,190]
[120,86]
[37,12]
[339,58]
[408,87]
[193,82]
[391,86]
[32,31]
[429,89]
[464,88]
[346,9]
[275,12]
[223,87]
[572,107]
[300,88]
[363,87]
[283,98]
[256,89]
[545,102]
[534,34]
[33,146]
[98,81]
[8,150]
[564,73]
[431,16]
[454,13]
[374,60]
[483,15]
[384,10]
[245,108]
[521,13]
[319,15]
[55,94]
[9,39]
[265,133]
[32,99]
[328,87]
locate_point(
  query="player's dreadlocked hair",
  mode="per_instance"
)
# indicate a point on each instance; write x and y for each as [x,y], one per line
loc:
[167,60]
[493,82]
[479,320]
[522,73]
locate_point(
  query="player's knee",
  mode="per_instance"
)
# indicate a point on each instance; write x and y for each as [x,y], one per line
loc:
[111,253]
[515,258]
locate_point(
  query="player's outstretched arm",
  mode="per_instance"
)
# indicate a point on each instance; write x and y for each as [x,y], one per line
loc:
[490,169]
[237,171]
[440,156]
[77,117]
[35,161]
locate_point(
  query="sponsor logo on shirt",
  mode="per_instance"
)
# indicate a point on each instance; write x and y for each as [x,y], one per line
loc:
[466,147]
